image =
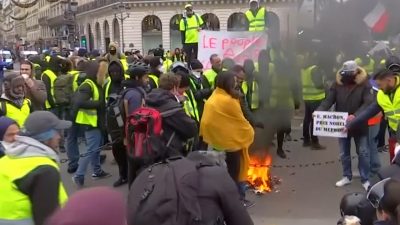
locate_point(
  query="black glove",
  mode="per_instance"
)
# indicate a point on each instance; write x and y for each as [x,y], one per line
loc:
[259,125]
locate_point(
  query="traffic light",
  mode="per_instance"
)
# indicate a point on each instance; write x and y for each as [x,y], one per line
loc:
[83,41]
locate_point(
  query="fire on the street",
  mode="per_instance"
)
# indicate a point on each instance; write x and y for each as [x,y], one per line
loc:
[258,174]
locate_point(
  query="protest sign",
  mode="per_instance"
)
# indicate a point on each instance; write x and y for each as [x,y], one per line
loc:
[330,124]
[238,46]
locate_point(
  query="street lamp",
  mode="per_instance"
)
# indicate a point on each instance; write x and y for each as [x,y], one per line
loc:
[121,15]
[70,15]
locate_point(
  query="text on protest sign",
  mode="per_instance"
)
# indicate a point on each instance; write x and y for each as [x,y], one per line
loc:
[330,124]
[238,46]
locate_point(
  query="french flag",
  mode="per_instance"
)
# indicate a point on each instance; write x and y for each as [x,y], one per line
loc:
[377,19]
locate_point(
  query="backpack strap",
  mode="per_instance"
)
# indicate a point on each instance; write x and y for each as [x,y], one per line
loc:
[170,112]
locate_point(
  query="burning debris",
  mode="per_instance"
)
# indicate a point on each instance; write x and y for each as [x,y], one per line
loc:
[259,176]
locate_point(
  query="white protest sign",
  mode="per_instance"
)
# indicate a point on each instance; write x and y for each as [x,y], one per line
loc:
[330,124]
[238,46]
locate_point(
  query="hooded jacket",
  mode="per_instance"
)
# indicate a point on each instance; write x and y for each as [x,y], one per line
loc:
[180,123]
[41,184]
[37,94]
[350,98]
[95,71]
[116,81]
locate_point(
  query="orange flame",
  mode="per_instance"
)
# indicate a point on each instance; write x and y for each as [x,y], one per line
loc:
[258,174]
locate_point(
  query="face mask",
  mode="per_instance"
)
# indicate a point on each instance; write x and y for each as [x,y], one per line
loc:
[113,52]
[196,74]
[348,79]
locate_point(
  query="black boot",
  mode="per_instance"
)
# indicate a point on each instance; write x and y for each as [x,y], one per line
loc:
[121,181]
[281,153]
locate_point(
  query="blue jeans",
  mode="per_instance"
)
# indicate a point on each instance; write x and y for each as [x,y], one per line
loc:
[363,156]
[94,139]
[72,145]
[375,163]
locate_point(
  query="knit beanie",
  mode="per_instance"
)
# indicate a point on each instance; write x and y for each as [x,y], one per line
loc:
[5,122]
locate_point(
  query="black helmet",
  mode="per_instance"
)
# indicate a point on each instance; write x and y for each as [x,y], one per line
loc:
[137,69]
[357,204]
[393,63]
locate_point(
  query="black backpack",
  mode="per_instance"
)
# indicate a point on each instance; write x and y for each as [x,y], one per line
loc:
[166,194]
[115,114]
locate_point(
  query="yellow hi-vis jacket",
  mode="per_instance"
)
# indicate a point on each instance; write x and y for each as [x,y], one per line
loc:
[18,114]
[89,116]
[15,206]
[256,23]
[52,76]
[310,92]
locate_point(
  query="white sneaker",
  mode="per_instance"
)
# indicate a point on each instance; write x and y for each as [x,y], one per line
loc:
[366,185]
[344,181]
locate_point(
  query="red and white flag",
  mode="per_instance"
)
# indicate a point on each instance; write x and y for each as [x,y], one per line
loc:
[377,19]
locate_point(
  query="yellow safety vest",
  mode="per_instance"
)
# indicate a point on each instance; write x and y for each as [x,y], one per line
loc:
[124,64]
[391,108]
[190,106]
[281,94]
[75,74]
[211,75]
[89,116]
[310,92]
[191,26]
[47,58]
[167,64]
[18,114]
[370,67]
[52,76]
[254,101]
[15,206]
[154,78]
[256,23]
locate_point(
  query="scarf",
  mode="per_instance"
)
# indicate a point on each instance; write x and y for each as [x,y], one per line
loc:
[224,127]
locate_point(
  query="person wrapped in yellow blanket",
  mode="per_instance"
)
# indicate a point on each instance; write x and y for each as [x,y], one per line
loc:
[224,127]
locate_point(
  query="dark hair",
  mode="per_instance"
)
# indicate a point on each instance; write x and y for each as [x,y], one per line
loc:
[184,79]
[390,201]
[237,69]
[65,66]
[168,81]
[27,62]
[213,56]
[228,63]
[382,74]
[248,66]
[226,81]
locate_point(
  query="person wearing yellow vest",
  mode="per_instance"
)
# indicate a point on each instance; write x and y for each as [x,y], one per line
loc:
[89,111]
[48,77]
[251,85]
[35,89]
[256,16]
[243,89]
[313,94]
[216,67]
[367,63]
[156,69]
[190,26]
[168,61]
[199,85]
[30,180]
[13,103]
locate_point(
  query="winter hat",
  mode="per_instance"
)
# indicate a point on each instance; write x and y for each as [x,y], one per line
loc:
[350,66]
[113,45]
[196,64]
[99,206]
[5,123]
[42,125]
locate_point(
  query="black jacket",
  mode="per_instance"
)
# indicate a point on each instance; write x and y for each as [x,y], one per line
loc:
[352,99]
[201,90]
[184,127]
[217,193]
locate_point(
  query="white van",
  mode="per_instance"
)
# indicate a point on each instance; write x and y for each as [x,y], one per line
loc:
[26,54]
[7,57]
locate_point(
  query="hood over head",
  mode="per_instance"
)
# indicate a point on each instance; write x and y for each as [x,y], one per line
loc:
[116,71]
[100,206]
[360,78]
[25,147]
